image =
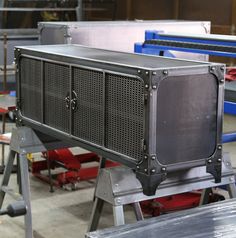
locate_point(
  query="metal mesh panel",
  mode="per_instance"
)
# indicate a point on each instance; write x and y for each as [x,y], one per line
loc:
[30,87]
[57,85]
[88,118]
[124,115]
[186,118]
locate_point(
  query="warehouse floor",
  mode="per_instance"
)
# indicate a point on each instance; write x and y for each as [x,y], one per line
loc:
[66,213]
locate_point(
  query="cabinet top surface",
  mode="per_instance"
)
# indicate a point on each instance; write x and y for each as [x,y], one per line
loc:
[109,57]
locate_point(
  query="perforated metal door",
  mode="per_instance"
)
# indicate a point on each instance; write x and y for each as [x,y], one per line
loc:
[88,118]
[56,88]
[30,88]
[124,115]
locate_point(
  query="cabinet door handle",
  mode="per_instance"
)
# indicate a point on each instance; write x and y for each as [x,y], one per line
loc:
[74,100]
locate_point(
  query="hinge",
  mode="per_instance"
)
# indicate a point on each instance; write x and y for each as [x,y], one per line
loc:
[143,145]
[18,103]
[145,98]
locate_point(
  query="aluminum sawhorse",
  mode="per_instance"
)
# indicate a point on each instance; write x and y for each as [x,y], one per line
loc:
[23,141]
[118,186]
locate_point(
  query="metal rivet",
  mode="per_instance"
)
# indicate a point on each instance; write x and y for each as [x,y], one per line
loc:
[231,179]
[153,157]
[154,86]
[219,147]
[145,157]
[163,169]
[137,167]
[18,50]
[145,170]
[154,73]
[219,160]
[213,68]
[222,80]
[209,161]
[165,72]
[153,170]
[146,86]
[139,71]
[147,73]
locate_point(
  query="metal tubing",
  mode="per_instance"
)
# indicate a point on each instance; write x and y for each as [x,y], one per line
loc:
[7,174]
[49,174]
[3,146]
[79,11]
[5,62]
[28,9]
[95,215]
[102,164]
[138,211]
[118,213]
[232,190]
[229,137]
[26,194]
[205,196]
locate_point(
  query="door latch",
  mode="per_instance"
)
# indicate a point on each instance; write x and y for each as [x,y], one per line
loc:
[67,101]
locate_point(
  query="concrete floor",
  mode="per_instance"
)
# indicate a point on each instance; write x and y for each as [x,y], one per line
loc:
[66,213]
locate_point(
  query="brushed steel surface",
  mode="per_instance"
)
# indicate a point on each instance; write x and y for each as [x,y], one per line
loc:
[111,57]
[117,35]
[213,220]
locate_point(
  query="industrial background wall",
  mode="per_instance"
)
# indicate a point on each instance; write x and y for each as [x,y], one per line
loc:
[220,13]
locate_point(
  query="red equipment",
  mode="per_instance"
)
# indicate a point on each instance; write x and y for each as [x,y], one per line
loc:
[163,205]
[230,74]
[76,166]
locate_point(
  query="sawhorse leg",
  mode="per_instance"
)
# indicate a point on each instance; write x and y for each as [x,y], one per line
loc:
[96,214]
[232,190]
[138,211]
[102,164]
[3,145]
[6,175]
[205,196]
[24,185]
[118,213]
[119,217]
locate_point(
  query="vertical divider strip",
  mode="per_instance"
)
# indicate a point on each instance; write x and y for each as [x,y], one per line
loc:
[71,121]
[42,93]
[18,80]
[104,109]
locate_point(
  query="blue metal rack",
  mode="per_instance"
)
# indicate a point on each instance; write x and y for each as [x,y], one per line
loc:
[159,43]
